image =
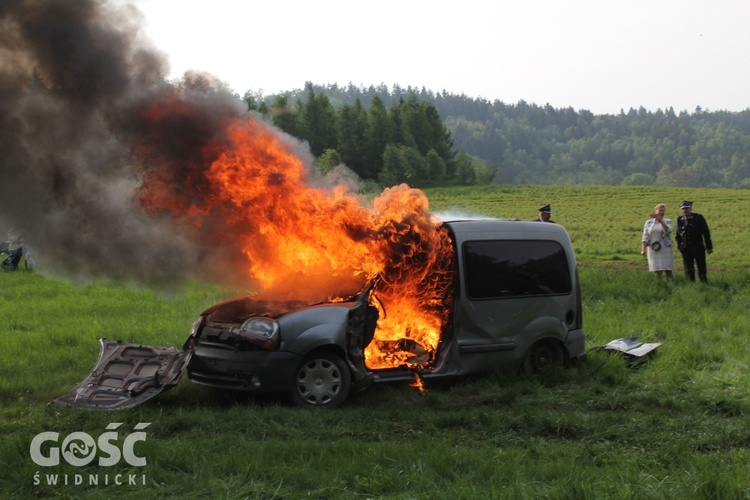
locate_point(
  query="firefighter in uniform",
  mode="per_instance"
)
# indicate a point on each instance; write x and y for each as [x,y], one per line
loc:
[544,214]
[693,240]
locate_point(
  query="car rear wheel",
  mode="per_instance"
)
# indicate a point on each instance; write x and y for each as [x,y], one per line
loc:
[542,356]
[322,379]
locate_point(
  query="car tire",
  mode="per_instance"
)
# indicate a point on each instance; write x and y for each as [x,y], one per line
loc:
[322,379]
[542,356]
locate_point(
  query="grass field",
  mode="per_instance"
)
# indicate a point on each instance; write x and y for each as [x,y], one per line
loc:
[674,426]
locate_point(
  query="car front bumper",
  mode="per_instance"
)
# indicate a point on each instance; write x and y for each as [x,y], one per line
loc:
[256,371]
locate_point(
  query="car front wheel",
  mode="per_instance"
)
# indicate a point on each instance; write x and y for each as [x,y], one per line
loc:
[322,379]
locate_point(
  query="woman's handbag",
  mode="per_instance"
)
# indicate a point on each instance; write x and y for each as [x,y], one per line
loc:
[655,246]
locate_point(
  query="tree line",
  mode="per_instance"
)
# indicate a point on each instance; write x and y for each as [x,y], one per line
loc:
[404,142]
[386,135]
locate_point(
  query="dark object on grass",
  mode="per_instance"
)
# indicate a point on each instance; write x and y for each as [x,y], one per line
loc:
[13,251]
[12,259]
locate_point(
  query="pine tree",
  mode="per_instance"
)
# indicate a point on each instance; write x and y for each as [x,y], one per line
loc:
[351,123]
[378,134]
[318,122]
[284,116]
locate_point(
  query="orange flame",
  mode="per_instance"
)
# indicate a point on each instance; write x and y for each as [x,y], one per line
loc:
[418,383]
[247,189]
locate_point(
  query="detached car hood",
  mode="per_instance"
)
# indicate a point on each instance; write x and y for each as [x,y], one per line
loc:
[126,375]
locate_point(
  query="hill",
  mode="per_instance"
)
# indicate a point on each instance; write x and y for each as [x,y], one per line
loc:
[539,144]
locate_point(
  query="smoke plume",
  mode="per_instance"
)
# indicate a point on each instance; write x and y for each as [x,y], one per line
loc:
[111,171]
[76,77]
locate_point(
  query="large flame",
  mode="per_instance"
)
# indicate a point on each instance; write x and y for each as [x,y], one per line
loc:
[248,191]
[81,90]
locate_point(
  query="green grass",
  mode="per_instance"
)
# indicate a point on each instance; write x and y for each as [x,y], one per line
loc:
[674,426]
[606,222]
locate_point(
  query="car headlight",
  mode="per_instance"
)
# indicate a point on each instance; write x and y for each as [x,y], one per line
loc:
[197,324]
[194,330]
[260,331]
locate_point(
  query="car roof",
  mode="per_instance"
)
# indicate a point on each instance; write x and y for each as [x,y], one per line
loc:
[488,225]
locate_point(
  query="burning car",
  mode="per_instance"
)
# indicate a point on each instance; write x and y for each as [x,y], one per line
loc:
[511,301]
[178,179]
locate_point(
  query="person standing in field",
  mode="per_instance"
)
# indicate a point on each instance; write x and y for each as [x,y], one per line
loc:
[656,243]
[694,240]
[544,214]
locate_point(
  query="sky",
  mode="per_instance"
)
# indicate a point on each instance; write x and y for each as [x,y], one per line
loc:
[601,55]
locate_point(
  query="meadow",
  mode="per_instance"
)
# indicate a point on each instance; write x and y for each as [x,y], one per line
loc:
[670,426]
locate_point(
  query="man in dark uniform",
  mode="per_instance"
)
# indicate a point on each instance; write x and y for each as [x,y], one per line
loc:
[693,240]
[544,214]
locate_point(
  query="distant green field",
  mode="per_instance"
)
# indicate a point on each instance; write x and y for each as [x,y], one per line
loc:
[673,426]
[605,222]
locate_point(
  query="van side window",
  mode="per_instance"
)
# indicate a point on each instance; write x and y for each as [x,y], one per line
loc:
[499,269]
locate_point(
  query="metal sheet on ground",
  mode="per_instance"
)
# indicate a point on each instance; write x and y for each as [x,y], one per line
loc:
[127,375]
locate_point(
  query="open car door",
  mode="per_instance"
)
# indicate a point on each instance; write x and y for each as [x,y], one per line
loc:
[126,375]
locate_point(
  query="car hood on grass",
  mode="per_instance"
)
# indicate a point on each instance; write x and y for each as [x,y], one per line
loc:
[126,375]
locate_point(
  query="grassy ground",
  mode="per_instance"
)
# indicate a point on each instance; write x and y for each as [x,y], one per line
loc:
[606,222]
[674,426]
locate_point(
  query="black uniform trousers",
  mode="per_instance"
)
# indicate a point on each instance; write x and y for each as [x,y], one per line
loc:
[692,256]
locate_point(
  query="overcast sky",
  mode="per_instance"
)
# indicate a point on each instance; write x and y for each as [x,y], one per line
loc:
[600,55]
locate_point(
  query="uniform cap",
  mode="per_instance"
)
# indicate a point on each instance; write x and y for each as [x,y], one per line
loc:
[686,204]
[546,209]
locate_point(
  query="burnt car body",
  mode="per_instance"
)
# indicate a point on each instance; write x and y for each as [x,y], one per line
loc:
[316,353]
[517,306]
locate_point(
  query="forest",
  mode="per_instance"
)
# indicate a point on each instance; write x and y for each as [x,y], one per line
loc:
[390,135]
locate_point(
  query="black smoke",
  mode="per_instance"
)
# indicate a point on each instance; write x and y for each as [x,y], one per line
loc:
[75,76]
